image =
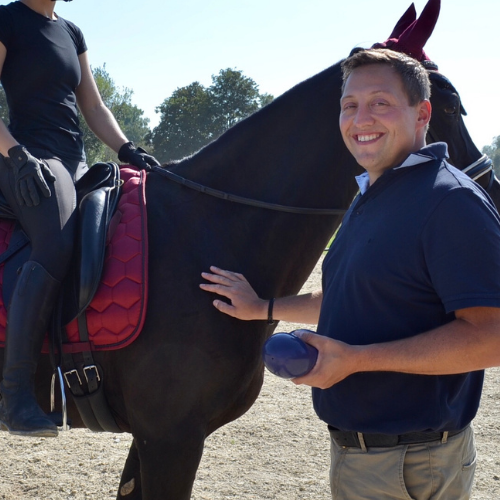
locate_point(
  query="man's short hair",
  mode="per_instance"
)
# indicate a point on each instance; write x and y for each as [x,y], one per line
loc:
[413,75]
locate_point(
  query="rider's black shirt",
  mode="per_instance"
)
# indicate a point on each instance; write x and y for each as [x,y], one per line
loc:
[40,74]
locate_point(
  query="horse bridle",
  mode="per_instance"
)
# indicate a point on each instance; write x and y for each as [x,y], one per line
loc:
[479,168]
[484,164]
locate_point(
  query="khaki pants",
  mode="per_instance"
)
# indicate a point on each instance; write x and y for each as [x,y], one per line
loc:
[430,471]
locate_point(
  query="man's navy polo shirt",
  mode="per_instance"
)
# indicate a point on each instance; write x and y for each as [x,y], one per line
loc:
[420,243]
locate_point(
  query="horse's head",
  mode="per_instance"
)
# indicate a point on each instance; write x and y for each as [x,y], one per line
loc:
[447,122]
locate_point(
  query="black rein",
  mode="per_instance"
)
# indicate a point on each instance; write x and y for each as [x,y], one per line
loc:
[245,201]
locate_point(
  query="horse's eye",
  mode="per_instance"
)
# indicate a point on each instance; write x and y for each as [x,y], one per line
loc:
[450,110]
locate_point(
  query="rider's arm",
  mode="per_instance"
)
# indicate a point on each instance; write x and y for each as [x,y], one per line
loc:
[245,304]
[98,117]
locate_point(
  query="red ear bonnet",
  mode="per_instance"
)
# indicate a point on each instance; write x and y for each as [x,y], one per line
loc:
[410,34]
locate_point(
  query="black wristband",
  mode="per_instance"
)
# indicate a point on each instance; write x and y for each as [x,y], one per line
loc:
[270,320]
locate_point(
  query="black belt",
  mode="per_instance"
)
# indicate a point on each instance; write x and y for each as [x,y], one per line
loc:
[353,439]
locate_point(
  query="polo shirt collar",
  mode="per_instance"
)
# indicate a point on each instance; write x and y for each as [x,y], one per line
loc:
[435,151]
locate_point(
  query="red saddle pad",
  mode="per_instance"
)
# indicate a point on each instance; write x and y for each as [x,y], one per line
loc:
[116,314]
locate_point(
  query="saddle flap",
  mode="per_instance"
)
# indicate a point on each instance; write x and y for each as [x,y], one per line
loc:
[96,209]
[97,206]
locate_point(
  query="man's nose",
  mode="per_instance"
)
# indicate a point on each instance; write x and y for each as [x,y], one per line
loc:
[363,116]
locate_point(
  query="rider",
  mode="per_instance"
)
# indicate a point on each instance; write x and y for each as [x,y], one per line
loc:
[46,74]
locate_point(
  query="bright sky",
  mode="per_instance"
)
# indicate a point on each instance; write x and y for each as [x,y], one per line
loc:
[156,46]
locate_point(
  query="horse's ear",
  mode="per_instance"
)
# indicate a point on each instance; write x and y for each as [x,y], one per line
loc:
[415,36]
[410,36]
[406,19]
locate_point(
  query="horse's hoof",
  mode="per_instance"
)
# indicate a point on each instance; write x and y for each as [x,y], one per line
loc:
[127,488]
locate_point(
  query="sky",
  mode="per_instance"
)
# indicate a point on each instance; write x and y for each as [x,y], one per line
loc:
[154,47]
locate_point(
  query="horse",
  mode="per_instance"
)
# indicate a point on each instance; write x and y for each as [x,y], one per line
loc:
[192,369]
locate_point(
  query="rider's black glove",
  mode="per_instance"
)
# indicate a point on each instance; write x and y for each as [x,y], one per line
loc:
[29,172]
[137,157]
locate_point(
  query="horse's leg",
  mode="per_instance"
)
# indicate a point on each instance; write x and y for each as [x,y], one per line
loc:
[130,483]
[168,466]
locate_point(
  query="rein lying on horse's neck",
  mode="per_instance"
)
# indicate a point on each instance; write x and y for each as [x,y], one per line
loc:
[245,201]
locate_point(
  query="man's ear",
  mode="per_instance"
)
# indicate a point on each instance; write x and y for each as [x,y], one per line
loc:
[424,113]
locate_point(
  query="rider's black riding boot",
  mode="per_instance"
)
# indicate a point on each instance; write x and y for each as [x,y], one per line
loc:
[27,320]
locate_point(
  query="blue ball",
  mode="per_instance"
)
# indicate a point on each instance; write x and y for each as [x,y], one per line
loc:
[287,356]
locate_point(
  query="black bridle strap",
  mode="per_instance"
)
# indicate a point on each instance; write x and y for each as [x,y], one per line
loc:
[479,168]
[242,200]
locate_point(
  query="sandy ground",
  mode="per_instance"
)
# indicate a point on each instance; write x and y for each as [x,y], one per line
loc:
[278,450]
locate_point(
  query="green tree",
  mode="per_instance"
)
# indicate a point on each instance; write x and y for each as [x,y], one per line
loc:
[4,109]
[130,118]
[493,151]
[234,97]
[194,115]
[185,124]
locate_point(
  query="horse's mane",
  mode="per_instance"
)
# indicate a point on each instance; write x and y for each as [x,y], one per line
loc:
[266,121]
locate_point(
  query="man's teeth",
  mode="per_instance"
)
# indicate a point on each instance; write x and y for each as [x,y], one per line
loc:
[365,138]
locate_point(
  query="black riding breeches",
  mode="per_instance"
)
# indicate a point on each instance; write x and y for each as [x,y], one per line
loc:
[51,225]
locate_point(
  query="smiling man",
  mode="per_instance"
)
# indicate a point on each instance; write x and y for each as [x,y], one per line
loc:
[409,314]
[380,120]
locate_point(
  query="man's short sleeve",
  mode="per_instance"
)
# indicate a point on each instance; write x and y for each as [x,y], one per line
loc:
[461,244]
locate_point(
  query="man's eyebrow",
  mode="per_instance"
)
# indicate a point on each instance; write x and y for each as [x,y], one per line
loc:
[375,92]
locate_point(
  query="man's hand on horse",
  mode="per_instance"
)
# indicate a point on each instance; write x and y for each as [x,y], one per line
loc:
[137,157]
[29,174]
[245,303]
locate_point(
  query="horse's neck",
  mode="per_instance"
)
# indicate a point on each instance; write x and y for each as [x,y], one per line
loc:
[291,152]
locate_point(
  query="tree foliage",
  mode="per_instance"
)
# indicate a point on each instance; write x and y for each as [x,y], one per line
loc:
[130,118]
[493,151]
[195,115]
[4,109]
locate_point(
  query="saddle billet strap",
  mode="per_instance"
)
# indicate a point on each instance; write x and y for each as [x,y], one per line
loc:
[84,379]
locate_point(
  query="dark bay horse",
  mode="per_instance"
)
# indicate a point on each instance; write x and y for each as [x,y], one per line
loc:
[193,370]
